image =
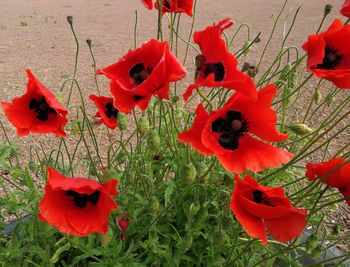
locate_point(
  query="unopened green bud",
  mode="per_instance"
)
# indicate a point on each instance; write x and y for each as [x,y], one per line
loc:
[107,238]
[300,128]
[327,9]
[311,242]
[194,208]
[89,42]
[293,79]
[316,252]
[58,252]
[218,237]
[285,72]
[189,173]
[143,126]
[318,97]
[202,169]
[122,121]
[154,205]
[335,229]
[153,140]
[186,243]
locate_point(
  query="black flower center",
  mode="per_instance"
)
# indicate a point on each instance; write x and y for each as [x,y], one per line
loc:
[138,73]
[111,111]
[258,197]
[205,69]
[167,4]
[331,59]
[41,108]
[137,97]
[80,200]
[232,127]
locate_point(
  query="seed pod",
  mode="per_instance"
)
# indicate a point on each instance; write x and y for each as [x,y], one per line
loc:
[143,126]
[153,140]
[154,205]
[327,9]
[122,121]
[107,238]
[300,128]
[189,173]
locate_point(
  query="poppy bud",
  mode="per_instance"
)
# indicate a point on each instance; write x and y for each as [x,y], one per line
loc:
[335,229]
[293,79]
[246,47]
[194,208]
[189,173]
[318,97]
[107,238]
[300,128]
[122,121]
[202,169]
[154,205]
[70,20]
[311,242]
[327,9]
[143,126]
[176,98]
[218,237]
[153,140]
[89,42]
[285,72]
[186,243]
[58,252]
[123,224]
[316,252]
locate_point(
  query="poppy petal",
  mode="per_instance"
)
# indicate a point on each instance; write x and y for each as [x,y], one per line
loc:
[193,135]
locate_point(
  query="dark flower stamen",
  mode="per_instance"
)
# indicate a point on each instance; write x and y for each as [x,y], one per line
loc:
[166,4]
[139,73]
[331,59]
[217,68]
[137,97]
[80,200]
[111,111]
[232,128]
[258,197]
[41,108]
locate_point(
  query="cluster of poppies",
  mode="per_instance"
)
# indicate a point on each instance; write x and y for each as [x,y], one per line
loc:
[239,134]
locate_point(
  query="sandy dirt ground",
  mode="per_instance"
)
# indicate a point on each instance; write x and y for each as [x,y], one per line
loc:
[35,34]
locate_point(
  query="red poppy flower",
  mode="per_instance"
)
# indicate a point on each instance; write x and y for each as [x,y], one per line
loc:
[77,206]
[142,73]
[148,3]
[259,208]
[107,113]
[176,6]
[37,111]
[331,174]
[329,54]
[230,133]
[345,10]
[216,66]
